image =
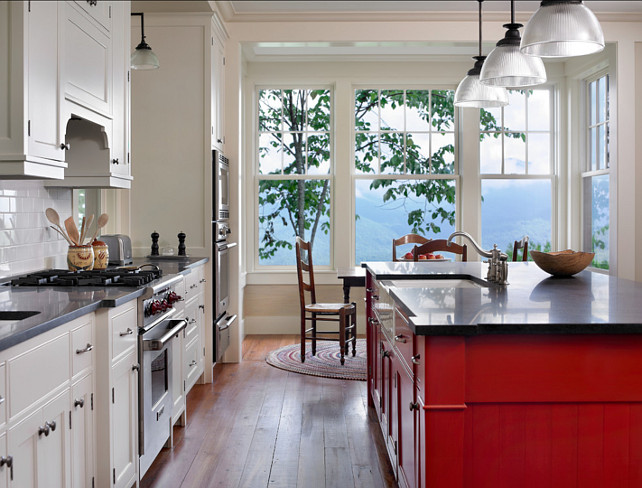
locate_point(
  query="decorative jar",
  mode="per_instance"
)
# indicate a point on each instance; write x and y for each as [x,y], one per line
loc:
[101,255]
[80,258]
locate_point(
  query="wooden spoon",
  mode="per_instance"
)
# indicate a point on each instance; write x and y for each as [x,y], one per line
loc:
[82,230]
[72,230]
[90,221]
[54,218]
[62,234]
[102,221]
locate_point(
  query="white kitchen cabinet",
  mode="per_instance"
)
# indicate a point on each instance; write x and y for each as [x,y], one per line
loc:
[40,447]
[31,125]
[178,391]
[218,84]
[116,398]
[194,336]
[88,59]
[81,426]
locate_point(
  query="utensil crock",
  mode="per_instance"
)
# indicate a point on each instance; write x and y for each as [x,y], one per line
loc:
[80,258]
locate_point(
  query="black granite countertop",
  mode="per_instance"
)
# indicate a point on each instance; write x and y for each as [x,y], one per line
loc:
[58,305]
[532,303]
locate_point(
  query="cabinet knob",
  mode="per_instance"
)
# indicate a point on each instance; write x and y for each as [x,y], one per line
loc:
[413,406]
[43,430]
[400,338]
[193,363]
[219,141]
[8,462]
[202,280]
[127,332]
[136,367]
[415,359]
[79,402]
[92,3]
[385,354]
[369,290]
[51,425]
[115,161]
[202,307]
[375,297]
[64,146]
[87,348]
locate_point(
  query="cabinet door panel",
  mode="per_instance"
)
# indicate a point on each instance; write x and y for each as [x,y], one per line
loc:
[406,434]
[44,81]
[124,420]
[53,450]
[21,442]
[82,433]
[88,62]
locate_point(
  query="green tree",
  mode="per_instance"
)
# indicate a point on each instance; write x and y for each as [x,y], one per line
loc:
[288,116]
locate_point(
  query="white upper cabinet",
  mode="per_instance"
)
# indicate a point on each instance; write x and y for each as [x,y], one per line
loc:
[218,84]
[31,127]
[67,62]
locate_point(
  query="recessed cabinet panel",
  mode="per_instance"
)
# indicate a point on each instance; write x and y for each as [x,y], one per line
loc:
[44,75]
[88,62]
[124,333]
[82,433]
[99,10]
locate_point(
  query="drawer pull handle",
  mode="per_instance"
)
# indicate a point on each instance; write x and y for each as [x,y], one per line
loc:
[415,359]
[7,461]
[87,348]
[369,290]
[193,363]
[43,430]
[400,338]
[79,402]
[128,332]
[413,406]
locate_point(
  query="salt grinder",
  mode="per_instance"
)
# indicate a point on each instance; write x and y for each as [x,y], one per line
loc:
[181,243]
[154,243]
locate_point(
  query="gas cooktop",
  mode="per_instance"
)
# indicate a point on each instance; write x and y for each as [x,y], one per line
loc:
[131,277]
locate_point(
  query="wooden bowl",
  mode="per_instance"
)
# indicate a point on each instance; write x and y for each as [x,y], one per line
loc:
[562,263]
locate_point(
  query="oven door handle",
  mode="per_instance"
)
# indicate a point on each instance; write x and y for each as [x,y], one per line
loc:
[226,246]
[229,320]
[158,344]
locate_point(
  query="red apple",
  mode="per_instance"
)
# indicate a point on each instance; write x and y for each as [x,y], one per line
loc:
[431,256]
[438,256]
[408,255]
[423,256]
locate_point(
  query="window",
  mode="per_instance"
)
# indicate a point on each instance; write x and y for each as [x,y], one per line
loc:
[294,173]
[595,174]
[405,167]
[517,168]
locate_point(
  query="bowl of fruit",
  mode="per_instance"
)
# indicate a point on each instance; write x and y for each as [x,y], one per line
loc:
[424,257]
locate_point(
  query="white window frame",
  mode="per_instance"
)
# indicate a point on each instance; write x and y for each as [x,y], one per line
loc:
[552,176]
[256,176]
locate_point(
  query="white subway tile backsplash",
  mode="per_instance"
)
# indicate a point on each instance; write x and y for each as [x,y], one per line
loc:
[27,243]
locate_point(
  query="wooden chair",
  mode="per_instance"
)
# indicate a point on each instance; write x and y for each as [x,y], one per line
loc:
[440,245]
[521,244]
[407,239]
[343,313]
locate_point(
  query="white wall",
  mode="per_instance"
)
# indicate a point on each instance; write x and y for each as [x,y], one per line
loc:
[26,241]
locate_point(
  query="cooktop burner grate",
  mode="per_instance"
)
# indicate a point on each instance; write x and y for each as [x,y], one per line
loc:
[131,277]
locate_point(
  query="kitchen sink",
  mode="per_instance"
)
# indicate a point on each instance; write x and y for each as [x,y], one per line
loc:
[16,315]
[437,283]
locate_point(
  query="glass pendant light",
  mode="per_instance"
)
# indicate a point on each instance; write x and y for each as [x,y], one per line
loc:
[507,66]
[562,28]
[470,92]
[143,57]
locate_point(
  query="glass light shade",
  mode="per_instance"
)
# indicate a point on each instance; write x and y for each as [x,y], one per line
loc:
[506,66]
[144,58]
[472,94]
[562,29]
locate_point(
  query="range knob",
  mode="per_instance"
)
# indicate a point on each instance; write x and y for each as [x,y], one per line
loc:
[173,297]
[164,305]
[155,307]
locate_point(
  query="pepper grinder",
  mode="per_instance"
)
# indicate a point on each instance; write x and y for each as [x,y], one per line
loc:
[181,243]
[154,243]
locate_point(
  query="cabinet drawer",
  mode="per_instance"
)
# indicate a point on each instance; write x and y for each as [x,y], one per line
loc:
[191,314]
[192,281]
[82,344]
[37,372]
[124,331]
[404,338]
[191,363]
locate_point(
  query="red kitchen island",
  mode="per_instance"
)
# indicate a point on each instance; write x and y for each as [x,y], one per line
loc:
[534,384]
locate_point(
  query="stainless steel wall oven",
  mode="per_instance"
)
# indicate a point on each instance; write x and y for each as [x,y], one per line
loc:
[221,321]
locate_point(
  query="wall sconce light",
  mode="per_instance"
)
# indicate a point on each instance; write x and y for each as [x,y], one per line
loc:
[143,57]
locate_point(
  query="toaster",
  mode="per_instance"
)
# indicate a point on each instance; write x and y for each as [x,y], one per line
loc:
[120,248]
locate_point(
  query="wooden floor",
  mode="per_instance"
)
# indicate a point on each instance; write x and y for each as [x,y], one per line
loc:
[258,426]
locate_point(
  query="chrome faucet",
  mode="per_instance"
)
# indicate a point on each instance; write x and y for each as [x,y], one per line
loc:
[497,260]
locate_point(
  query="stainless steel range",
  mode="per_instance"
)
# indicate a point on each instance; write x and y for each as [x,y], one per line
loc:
[158,326]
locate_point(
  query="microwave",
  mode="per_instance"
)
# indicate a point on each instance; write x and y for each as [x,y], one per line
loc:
[220,186]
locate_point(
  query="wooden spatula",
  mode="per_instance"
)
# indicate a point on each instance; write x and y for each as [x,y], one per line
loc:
[72,230]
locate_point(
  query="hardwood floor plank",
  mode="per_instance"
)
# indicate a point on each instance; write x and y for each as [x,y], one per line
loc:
[259,426]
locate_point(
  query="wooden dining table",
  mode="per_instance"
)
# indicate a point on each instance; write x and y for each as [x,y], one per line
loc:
[351,277]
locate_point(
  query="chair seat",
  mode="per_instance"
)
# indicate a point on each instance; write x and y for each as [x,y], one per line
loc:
[330,308]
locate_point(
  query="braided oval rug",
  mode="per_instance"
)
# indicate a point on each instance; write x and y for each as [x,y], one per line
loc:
[326,363]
